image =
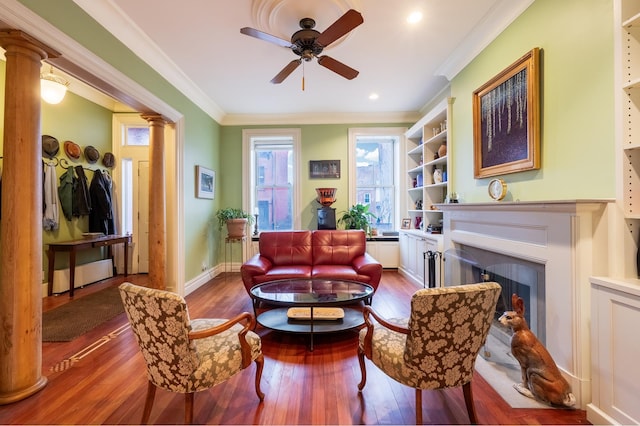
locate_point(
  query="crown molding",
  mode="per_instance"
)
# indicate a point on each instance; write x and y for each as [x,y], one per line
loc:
[501,15]
[319,118]
[111,17]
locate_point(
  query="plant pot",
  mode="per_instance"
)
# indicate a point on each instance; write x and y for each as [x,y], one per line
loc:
[237,228]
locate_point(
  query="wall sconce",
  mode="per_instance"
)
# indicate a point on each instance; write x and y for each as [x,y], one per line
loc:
[52,87]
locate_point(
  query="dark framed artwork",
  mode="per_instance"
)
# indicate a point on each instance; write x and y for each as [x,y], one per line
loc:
[506,120]
[205,182]
[324,169]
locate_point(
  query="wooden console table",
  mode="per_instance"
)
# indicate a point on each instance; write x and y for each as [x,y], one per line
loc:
[83,244]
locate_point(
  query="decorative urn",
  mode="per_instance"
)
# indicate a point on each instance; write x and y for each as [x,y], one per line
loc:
[326,196]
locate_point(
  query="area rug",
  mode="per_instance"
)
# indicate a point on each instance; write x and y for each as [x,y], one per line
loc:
[75,318]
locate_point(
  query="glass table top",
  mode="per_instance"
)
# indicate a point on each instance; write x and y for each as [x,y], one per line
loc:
[311,292]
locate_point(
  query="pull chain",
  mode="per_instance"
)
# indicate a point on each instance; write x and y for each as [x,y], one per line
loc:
[303,75]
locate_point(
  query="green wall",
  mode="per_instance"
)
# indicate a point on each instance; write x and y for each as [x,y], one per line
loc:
[202,133]
[84,123]
[577,117]
[318,142]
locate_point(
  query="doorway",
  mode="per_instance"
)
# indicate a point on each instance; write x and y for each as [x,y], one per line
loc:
[131,147]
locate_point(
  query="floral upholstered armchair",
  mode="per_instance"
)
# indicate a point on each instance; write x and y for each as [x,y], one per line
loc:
[436,347]
[184,355]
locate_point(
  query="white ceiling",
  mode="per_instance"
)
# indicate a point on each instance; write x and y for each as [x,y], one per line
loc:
[198,47]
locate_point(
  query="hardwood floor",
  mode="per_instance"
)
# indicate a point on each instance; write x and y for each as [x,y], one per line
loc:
[100,377]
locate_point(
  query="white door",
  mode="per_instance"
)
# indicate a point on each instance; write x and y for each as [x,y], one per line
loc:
[131,147]
[143,216]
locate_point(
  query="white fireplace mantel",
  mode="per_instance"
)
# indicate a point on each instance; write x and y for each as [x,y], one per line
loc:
[569,238]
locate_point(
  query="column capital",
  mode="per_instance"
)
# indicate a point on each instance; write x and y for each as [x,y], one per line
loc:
[20,39]
[154,118]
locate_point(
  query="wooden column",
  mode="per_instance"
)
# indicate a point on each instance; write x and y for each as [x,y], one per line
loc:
[157,203]
[21,223]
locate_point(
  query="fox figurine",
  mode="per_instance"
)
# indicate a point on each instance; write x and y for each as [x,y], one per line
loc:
[541,378]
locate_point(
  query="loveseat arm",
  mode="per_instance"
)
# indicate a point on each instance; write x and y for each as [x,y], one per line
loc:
[257,265]
[367,265]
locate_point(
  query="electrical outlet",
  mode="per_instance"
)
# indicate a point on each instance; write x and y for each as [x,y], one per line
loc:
[204,266]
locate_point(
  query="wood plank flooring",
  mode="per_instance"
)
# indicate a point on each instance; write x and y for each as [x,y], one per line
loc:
[100,377]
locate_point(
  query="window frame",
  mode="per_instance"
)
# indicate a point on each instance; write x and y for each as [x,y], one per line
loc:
[399,132]
[248,166]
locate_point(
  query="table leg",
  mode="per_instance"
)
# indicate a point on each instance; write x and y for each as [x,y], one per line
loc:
[126,258]
[311,315]
[72,271]
[114,271]
[52,262]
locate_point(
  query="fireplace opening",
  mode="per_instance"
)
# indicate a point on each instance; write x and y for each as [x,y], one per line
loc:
[466,264]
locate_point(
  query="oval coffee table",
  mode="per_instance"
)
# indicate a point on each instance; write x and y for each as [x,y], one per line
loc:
[308,300]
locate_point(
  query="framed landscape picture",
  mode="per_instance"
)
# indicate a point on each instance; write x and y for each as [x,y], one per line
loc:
[506,120]
[205,182]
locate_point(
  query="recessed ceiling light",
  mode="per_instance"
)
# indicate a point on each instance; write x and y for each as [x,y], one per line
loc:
[414,17]
[373,96]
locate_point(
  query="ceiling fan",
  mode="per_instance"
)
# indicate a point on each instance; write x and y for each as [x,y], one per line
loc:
[309,43]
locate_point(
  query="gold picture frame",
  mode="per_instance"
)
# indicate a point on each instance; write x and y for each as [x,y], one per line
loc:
[506,120]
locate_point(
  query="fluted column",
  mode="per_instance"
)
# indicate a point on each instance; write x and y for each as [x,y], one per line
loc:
[157,203]
[21,224]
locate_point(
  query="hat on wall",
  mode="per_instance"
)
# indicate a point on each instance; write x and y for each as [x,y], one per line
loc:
[50,146]
[108,160]
[72,150]
[91,154]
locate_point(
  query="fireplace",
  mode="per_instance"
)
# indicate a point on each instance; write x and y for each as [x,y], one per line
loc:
[550,247]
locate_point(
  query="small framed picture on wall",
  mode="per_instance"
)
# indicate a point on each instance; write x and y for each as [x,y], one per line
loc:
[205,183]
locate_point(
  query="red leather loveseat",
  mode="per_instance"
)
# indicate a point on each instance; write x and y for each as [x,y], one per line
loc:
[334,254]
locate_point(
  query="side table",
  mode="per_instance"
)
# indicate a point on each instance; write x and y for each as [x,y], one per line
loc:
[229,241]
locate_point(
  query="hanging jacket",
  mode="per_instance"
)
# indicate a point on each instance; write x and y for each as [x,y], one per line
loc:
[101,218]
[81,198]
[51,218]
[68,182]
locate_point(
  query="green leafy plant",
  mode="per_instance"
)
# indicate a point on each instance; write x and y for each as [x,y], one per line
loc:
[232,213]
[357,217]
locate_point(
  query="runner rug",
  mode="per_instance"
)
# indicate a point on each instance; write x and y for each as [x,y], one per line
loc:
[75,318]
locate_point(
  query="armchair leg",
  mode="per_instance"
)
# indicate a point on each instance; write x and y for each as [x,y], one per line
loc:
[363,371]
[418,406]
[188,408]
[259,366]
[148,403]
[468,400]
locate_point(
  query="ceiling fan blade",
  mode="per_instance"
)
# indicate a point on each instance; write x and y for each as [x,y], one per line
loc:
[264,36]
[351,19]
[286,71]
[338,67]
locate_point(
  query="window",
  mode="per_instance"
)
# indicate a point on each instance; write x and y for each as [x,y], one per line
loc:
[271,162]
[374,167]
[136,135]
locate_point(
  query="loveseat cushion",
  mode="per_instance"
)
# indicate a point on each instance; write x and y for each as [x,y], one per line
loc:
[283,272]
[339,272]
[337,247]
[286,248]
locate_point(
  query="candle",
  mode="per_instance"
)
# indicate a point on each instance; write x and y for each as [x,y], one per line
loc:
[256,210]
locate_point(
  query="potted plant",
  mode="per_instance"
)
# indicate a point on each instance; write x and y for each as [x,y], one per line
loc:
[236,221]
[357,217]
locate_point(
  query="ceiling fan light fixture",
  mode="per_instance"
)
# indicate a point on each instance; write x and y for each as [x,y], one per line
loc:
[53,88]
